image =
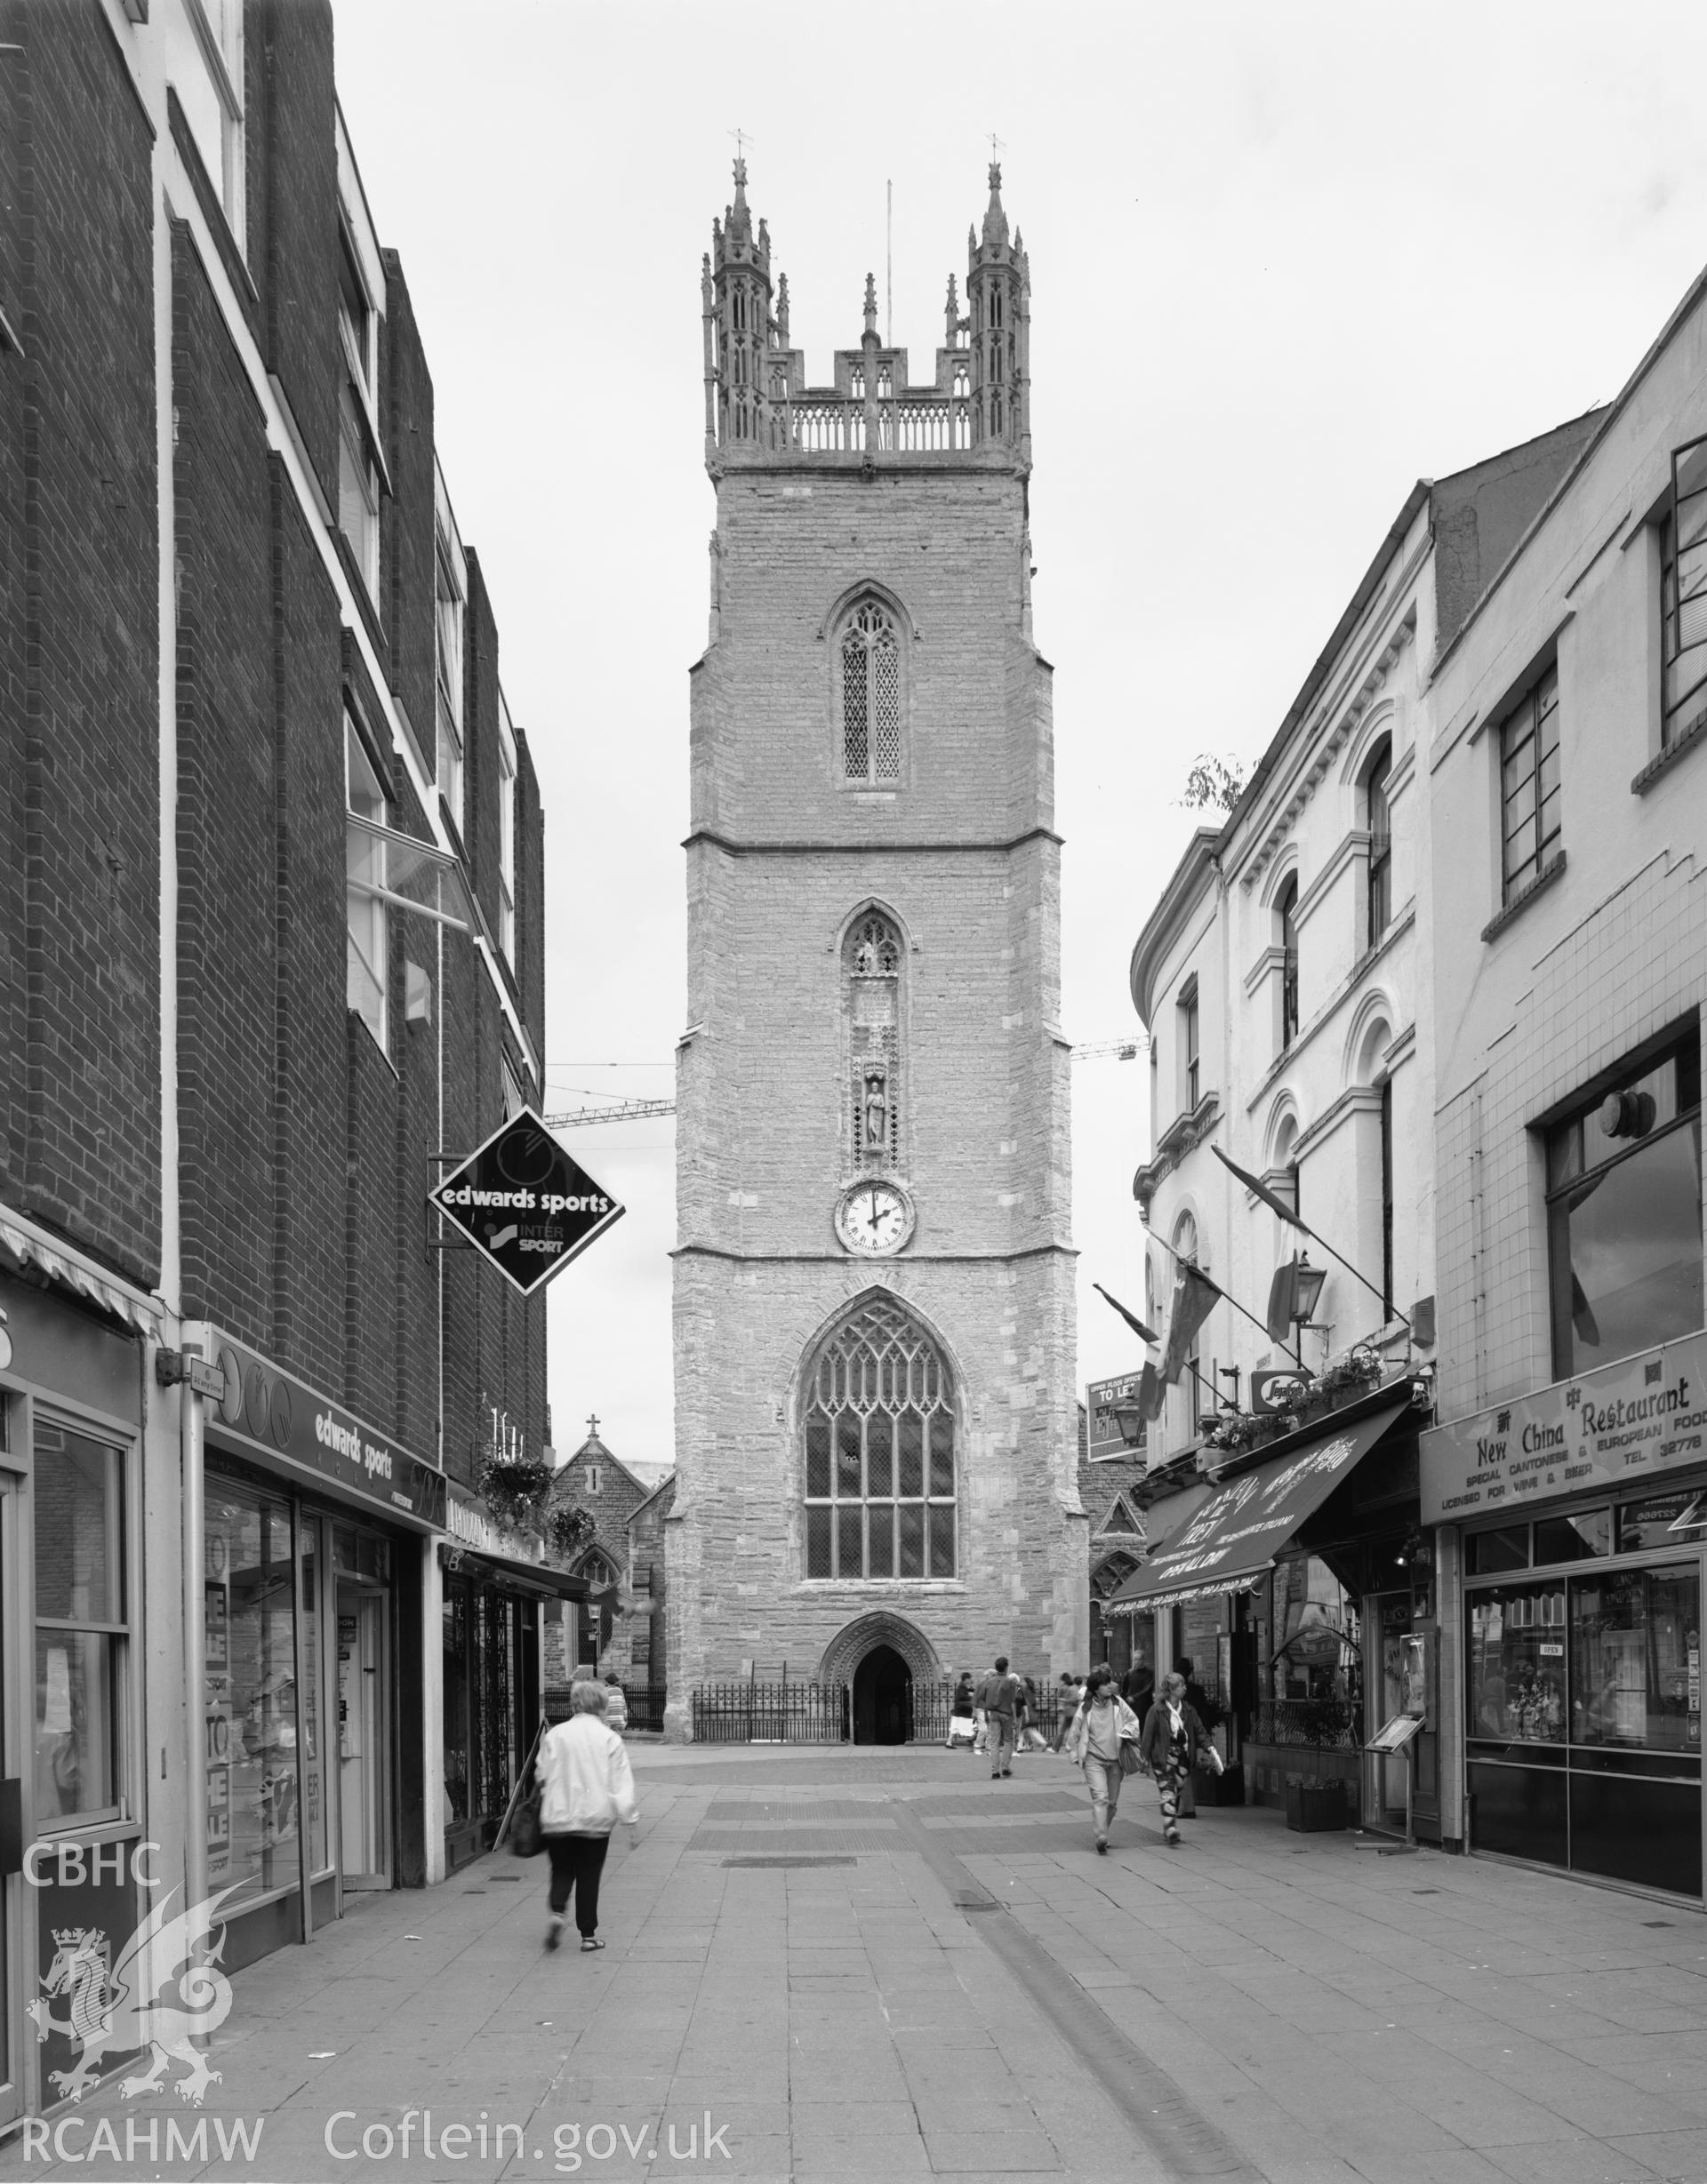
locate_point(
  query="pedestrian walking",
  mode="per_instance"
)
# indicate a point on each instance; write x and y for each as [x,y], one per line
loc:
[586,1787]
[1208,1715]
[1138,1688]
[961,1711]
[1173,1737]
[1070,1697]
[1002,1694]
[1096,1737]
[1031,1737]
[616,1704]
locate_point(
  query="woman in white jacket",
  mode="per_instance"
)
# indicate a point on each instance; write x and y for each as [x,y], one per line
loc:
[585,1787]
[1104,1723]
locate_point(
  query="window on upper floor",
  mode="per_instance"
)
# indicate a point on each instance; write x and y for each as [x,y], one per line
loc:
[1191,1070]
[1285,914]
[506,834]
[1378,818]
[1529,800]
[591,1475]
[358,488]
[868,660]
[514,1101]
[1387,1197]
[1683,597]
[1623,1213]
[447,647]
[365,953]
[208,79]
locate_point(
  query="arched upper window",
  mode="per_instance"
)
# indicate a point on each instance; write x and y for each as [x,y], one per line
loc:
[1285,918]
[879,1432]
[870,658]
[871,960]
[1378,818]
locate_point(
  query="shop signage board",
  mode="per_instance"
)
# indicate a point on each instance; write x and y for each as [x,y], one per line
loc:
[521,1201]
[1617,1426]
[282,1417]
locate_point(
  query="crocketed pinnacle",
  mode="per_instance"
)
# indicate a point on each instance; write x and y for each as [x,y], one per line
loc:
[995,218]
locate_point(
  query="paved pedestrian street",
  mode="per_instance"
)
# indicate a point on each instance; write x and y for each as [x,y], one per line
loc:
[865,1964]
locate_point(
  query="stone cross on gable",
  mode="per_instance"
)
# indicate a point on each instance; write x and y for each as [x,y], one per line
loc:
[592,1426]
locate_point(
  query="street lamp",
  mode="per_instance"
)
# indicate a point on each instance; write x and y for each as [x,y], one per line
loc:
[1129,1416]
[1306,1288]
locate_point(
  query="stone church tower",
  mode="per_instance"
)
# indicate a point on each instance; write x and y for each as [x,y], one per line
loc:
[874,1303]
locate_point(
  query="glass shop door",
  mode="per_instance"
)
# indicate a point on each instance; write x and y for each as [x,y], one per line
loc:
[1388,1618]
[364,1739]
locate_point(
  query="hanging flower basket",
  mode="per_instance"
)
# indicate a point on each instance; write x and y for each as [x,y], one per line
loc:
[566,1528]
[514,1488]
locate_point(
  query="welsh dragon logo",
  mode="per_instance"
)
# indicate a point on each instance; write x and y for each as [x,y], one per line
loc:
[166,1990]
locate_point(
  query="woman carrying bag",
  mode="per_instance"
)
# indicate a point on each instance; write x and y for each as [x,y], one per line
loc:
[1174,1740]
[1104,1740]
[586,1787]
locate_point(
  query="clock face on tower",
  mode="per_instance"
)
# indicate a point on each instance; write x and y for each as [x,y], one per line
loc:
[874,1219]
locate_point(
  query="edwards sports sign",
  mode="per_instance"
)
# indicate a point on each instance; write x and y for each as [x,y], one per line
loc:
[1619,1425]
[522,1202]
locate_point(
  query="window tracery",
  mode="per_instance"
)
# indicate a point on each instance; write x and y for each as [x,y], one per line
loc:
[879,1451]
[870,708]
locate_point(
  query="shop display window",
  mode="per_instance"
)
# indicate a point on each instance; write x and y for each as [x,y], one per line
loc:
[251,1671]
[1518,1664]
[314,1756]
[1487,1553]
[1677,1519]
[1624,1213]
[456,1699]
[1319,1651]
[80,1625]
[1576,1537]
[1636,1659]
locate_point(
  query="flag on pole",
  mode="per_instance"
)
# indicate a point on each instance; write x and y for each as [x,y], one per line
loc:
[1143,1333]
[1268,1198]
[1283,1300]
[1195,1297]
[1152,1393]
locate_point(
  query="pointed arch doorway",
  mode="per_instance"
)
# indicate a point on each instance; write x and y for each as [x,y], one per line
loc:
[882,1699]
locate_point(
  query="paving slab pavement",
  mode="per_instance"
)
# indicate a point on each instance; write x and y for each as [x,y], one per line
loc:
[855,1964]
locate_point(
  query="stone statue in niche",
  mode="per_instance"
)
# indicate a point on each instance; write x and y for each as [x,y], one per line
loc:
[875,1123]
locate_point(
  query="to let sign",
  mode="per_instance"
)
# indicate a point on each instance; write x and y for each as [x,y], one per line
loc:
[522,1202]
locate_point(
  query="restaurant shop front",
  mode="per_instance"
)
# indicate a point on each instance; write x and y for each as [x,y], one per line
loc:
[1302,1589]
[1578,1517]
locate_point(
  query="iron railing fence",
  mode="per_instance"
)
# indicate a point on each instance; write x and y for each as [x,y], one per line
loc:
[771,1713]
[1331,1724]
[645,1706]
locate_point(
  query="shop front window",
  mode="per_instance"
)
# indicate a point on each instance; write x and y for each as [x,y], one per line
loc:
[314,1760]
[251,1671]
[1636,1659]
[1517,1663]
[456,1699]
[80,1625]
[1624,1213]
[1318,1651]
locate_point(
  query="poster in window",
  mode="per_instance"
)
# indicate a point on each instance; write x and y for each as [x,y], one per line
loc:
[215,1614]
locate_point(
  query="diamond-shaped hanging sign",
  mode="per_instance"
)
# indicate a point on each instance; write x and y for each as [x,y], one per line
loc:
[522,1202]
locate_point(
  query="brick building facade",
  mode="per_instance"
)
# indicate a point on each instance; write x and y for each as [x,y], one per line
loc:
[874,1318]
[270,940]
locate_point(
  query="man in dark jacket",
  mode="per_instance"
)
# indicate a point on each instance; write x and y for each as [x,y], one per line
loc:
[999,1695]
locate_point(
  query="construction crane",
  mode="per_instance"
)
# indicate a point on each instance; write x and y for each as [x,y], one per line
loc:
[634,1110]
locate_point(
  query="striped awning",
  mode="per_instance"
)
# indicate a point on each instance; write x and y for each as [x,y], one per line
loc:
[60,1263]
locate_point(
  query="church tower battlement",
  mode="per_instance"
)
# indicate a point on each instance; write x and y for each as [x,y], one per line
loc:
[757,403]
[875,1357]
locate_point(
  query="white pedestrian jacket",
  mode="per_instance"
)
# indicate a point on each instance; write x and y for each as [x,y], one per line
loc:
[584,1779]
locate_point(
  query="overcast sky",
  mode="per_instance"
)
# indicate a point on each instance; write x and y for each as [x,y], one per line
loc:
[1284,261]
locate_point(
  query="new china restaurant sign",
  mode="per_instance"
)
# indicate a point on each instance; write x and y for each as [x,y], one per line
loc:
[1624,1422]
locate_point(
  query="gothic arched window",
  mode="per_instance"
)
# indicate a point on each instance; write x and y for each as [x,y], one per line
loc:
[879,1428]
[870,658]
[871,961]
